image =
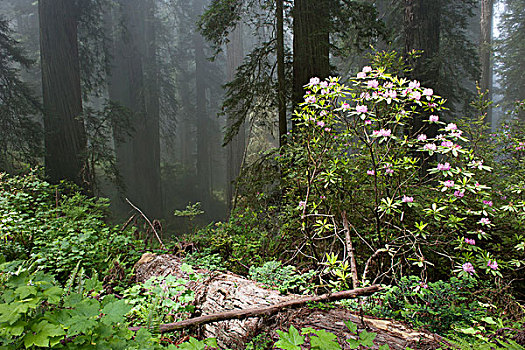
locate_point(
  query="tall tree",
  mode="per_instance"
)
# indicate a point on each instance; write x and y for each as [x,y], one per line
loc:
[20,134]
[311,43]
[203,145]
[132,84]
[511,54]
[422,32]
[65,135]
[281,78]
[236,147]
[485,84]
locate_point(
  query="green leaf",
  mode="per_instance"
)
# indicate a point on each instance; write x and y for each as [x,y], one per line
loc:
[324,340]
[42,332]
[353,343]
[17,329]
[193,344]
[290,340]
[384,347]
[367,339]
[352,327]
[53,294]
[25,291]
[115,311]
[80,325]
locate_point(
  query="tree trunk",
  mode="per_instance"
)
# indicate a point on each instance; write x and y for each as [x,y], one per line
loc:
[311,44]
[281,93]
[133,84]
[201,102]
[65,135]
[486,54]
[237,145]
[422,32]
[227,293]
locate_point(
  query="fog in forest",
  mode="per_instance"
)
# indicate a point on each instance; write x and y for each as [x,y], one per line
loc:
[166,103]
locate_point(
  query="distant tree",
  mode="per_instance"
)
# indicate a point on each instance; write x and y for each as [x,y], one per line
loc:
[202,119]
[511,53]
[20,133]
[485,84]
[311,43]
[237,146]
[133,80]
[65,135]
[254,90]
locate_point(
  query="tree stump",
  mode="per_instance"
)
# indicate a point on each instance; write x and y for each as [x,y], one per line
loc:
[223,291]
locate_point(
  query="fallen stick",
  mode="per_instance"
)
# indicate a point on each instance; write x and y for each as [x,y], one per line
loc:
[149,222]
[265,310]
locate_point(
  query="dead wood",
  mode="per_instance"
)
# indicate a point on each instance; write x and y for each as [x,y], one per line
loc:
[265,311]
[233,309]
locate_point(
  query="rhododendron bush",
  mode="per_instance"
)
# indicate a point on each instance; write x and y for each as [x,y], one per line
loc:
[373,172]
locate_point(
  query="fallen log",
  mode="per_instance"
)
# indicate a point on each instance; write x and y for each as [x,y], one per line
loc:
[233,310]
[264,311]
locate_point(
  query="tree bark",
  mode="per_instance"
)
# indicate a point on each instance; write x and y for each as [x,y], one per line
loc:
[65,135]
[281,93]
[236,147]
[485,84]
[203,145]
[225,295]
[133,84]
[422,26]
[311,44]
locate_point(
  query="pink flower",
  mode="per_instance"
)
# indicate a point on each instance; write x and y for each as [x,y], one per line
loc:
[327,129]
[389,171]
[470,241]
[428,93]
[422,137]
[324,84]
[433,118]
[416,95]
[414,84]
[372,84]
[459,194]
[492,264]
[367,69]
[448,183]
[368,122]
[443,167]
[451,127]
[310,99]
[407,199]
[430,147]
[370,172]
[302,204]
[467,267]
[456,134]
[391,93]
[320,123]
[484,221]
[361,75]
[447,144]
[314,81]
[361,109]
[323,113]
[345,106]
[382,132]
[489,203]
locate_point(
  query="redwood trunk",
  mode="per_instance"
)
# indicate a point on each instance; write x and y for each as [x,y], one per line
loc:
[65,136]
[311,44]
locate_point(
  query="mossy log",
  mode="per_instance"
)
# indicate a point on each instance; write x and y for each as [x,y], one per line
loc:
[233,310]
